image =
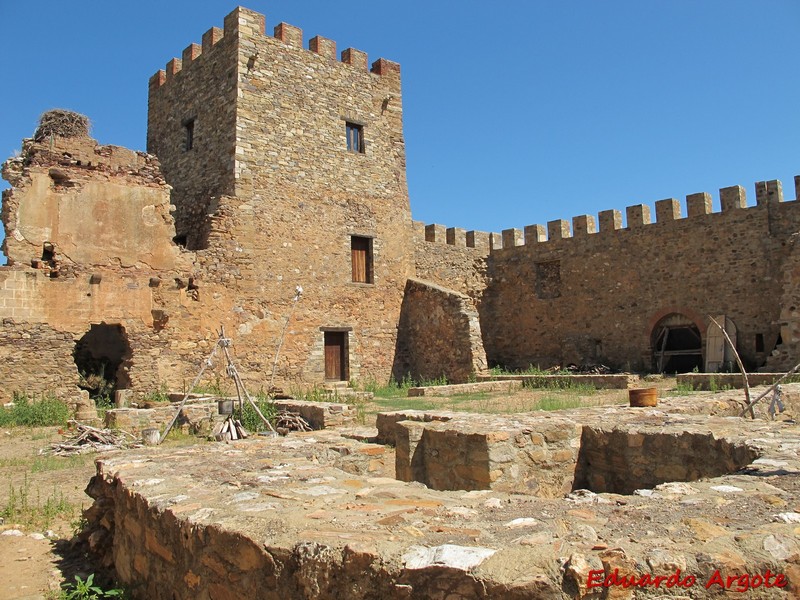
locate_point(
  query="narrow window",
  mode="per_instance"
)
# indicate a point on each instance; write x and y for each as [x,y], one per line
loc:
[361,255]
[759,342]
[355,137]
[189,129]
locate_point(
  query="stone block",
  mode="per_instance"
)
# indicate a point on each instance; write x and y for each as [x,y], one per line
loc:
[769,192]
[732,198]
[583,225]
[456,236]
[698,204]
[637,215]
[610,220]
[558,229]
[668,210]
[535,234]
[511,238]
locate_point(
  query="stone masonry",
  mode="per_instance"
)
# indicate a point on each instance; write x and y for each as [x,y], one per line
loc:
[319,515]
[283,164]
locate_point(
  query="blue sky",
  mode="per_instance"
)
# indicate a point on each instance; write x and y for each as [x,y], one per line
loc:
[516,112]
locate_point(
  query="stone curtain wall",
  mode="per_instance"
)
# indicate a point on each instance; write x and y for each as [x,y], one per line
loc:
[596,297]
[786,355]
[442,256]
[439,335]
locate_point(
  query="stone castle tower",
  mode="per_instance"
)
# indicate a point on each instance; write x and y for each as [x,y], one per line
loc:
[288,169]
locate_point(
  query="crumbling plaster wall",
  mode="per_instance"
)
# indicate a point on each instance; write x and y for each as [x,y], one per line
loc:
[96,205]
[89,241]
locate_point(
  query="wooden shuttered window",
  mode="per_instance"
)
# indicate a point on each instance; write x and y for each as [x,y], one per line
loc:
[361,256]
[355,137]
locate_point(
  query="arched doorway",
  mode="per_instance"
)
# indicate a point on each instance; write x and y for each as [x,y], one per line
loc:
[100,356]
[677,345]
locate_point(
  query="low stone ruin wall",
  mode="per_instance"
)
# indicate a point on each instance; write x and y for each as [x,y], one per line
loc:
[439,334]
[199,415]
[619,381]
[521,456]
[316,515]
[465,388]
[621,461]
[549,454]
[707,381]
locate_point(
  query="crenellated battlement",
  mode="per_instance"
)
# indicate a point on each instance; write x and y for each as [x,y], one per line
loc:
[458,237]
[243,22]
[608,221]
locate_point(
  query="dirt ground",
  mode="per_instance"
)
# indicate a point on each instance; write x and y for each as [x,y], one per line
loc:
[49,494]
[40,557]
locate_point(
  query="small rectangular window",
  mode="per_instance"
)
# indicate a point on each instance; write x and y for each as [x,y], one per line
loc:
[361,256]
[355,137]
[188,127]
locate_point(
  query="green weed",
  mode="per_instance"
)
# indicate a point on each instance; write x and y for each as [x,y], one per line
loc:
[394,388]
[30,412]
[219,387]
[682,388]
[159,396]
[404,403]
[87,590]
[558,403]
[27,509]
[250,419]
[572,385]
[46,463]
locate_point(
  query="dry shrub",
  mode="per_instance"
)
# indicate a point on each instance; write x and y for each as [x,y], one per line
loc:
[64,123]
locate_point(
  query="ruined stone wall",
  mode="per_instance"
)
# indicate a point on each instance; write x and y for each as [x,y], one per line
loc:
[299,195]
[440,335]
[597,296]
[76,205]
[89,241]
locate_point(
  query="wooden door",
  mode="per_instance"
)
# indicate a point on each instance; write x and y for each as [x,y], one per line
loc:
[718,351]
[335,358]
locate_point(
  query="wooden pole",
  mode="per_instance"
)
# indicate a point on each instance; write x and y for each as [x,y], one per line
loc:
[769,389]
[189,391]
[238,380]
[741,368]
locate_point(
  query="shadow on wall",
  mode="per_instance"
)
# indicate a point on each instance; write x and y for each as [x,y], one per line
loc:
[101,356]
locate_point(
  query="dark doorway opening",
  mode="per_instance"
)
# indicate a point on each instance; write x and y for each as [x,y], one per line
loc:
[336,367]
[101,356]
[677,345]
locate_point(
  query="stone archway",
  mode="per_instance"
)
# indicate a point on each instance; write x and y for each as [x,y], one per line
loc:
[677,344]
[101,356]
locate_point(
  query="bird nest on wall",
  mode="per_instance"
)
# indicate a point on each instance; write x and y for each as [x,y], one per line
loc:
[64,123]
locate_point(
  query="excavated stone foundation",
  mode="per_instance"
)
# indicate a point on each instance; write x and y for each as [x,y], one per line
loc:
[320,515]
